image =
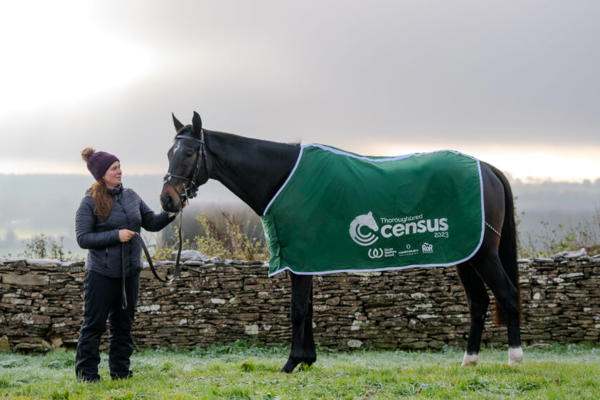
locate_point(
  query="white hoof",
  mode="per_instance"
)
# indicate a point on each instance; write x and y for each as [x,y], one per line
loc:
[515,355]
[469,359]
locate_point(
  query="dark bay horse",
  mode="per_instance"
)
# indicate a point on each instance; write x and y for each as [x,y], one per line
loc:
[254,170]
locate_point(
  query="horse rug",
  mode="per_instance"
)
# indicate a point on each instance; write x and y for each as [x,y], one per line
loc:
[343,212]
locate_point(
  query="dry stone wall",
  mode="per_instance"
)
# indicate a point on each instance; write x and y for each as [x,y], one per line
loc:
[217,302]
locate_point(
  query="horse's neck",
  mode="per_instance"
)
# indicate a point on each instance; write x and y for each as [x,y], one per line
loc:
[252,169]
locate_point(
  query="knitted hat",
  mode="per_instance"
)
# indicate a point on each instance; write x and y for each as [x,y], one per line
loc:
[97,161]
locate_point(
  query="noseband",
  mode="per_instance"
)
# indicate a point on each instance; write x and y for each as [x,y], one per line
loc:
[190,187]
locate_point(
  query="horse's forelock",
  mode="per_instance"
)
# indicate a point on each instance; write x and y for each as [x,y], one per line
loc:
[183,130]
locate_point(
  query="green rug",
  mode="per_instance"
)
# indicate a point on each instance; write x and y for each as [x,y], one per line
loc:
[342,212]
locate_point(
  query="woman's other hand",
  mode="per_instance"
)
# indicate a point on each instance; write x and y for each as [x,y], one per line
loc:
[172,214]
[125,235]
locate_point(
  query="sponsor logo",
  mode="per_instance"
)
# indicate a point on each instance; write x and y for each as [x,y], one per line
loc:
[427,248]
[375,253]
[362,228]
[389,252]
[408,253]
[365,231]
[378,252]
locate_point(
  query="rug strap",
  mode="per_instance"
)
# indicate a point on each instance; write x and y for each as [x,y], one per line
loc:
[492,228]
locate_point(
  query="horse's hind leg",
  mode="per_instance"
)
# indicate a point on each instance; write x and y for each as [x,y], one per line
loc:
[507,297]
[303,345]
[478,300]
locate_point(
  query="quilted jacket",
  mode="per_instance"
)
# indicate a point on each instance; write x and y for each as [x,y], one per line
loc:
[102,237]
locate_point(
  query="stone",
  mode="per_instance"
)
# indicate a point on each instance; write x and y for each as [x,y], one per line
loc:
[251,329]
[153,307]
[43,262]
[334,301]
[570,254]
[56,342]
[25,279]
[4,344]
[190,255]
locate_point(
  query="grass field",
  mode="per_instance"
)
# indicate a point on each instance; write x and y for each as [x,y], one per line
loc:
[246,372]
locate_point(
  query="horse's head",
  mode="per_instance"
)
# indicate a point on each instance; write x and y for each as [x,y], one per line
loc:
[187,165]
[367,220]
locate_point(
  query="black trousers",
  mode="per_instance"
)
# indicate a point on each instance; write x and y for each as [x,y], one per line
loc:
[102,301]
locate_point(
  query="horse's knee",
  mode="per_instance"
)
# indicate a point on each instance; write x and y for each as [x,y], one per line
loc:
[478,308]
[301,297]
[299,312]
[300,307]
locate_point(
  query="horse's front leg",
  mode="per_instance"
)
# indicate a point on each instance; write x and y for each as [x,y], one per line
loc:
[303,345]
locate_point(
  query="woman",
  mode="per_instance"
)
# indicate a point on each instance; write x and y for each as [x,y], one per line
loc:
[107,222]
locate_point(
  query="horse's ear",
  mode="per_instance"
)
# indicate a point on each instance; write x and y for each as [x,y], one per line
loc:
[178,125]
[197,123]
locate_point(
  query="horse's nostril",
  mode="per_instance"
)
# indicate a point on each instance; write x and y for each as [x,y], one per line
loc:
[166,201]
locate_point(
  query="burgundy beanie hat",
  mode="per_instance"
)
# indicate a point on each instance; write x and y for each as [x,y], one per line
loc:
[97,161]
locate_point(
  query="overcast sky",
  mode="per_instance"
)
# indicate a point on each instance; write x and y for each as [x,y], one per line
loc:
[513,83]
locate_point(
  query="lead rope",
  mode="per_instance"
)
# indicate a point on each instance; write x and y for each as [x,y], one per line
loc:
[123,291]
[177,265]
[149,258]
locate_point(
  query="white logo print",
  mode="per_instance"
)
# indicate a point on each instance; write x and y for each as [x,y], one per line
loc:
[375,253]
[427,248]
[364,239]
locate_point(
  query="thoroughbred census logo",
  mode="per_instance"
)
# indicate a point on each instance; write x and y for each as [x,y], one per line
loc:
[365,231]
[367,221]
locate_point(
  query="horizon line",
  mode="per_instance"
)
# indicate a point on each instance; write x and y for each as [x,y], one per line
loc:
[531,180]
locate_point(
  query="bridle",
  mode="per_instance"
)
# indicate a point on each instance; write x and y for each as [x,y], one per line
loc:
[190,189]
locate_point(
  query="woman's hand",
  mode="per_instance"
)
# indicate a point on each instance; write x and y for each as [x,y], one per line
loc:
[125,235]
[172,214]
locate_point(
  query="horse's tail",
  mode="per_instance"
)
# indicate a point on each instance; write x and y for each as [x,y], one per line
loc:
[508,246]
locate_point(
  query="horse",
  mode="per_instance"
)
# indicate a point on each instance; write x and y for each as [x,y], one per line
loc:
[255,170]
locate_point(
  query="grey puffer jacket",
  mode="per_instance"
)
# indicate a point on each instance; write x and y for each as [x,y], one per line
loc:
[102,237]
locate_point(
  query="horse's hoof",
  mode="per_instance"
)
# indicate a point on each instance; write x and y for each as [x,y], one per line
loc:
[310,361]
[515,355]
[289,366]
[470,359]
[306,365]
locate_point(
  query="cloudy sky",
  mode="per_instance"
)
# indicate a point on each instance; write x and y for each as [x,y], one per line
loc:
[513,83]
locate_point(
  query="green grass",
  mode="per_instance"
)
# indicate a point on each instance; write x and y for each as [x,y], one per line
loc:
[247,372]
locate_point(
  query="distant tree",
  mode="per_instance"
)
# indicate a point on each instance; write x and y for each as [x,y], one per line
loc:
[41,246]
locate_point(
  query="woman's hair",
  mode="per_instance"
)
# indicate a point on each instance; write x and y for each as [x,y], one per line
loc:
[102,199]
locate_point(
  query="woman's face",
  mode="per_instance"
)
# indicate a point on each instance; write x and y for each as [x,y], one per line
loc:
[112,177]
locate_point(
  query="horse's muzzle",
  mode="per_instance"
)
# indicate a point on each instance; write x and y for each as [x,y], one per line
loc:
[169,200]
